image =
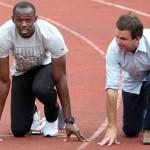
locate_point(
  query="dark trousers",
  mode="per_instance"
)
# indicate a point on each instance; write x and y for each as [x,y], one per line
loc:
[37,83]
[136,110]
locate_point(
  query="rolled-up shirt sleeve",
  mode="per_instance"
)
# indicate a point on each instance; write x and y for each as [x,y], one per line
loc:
[113,69]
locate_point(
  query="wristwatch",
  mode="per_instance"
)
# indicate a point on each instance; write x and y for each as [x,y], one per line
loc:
[70,120]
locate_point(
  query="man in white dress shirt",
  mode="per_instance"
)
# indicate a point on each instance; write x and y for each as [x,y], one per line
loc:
[129,54]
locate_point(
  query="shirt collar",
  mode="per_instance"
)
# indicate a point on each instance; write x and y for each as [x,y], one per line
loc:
[143,45]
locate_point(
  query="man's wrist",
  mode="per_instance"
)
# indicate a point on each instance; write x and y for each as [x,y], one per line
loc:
[69,120]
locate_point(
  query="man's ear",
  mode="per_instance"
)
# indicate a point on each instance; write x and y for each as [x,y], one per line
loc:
[138,38]
[36,18]
[13,18]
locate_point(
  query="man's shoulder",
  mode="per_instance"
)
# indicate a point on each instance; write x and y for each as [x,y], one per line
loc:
[6,29]
[113,45]
[8,24]
[47,30]
[146,36]
[146,32]
[45,25]
[146,40]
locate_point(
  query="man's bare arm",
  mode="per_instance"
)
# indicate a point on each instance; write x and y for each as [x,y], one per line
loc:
[4,82]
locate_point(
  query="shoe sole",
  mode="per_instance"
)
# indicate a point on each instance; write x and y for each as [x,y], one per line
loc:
[146,139]
[50,135]
[36,132]
[39,130]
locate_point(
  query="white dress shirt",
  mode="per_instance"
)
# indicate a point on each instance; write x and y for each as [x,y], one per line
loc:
[132,68]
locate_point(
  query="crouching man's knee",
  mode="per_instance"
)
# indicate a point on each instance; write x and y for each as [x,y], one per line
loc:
[131,133]
[19,132]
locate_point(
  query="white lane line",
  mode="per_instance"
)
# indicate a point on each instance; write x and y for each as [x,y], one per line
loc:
[102,126]
[122,7]
[94,135]
[6,5]
[5,135]
[60,135]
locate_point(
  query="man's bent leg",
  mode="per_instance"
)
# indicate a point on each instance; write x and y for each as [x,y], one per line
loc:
[146,139]
[133,113]
[147,112]
[22,104]
[43,88]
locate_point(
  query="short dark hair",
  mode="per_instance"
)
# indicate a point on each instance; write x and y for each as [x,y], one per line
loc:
[131,23]
[24,4]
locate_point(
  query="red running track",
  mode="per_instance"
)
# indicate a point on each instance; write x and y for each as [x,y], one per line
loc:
[88,27]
